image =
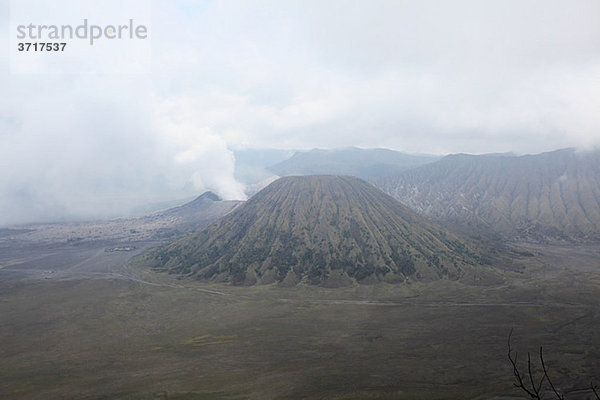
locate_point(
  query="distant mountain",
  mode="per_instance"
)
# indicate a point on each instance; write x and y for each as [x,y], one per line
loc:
[251,165]
[363,163]
[325,230]
[198,213]
[553,195]
[152,207]
[199,204]
[171,223]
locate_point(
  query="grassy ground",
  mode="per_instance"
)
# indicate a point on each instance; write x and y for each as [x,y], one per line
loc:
[159,337]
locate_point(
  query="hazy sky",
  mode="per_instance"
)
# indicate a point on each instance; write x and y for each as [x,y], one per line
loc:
[415,76]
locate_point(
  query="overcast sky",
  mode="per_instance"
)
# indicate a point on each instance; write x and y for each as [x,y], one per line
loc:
[414,76]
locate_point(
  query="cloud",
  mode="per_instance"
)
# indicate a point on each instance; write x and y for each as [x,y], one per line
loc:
[106,154]
[427,76]
[416,76]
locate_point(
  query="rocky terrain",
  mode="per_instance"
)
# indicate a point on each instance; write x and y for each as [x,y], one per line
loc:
[549,196]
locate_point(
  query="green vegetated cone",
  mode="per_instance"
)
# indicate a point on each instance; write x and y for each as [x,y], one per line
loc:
[327,230]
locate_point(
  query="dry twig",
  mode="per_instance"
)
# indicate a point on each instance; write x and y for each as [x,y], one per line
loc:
[533,391]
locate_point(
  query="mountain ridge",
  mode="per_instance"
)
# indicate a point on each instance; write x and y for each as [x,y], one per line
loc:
[547,196]
[362,163]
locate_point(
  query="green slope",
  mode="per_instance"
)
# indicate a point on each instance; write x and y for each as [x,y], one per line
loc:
[318,229]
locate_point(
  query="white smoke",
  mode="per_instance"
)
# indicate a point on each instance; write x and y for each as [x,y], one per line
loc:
[198,152]
[114,151]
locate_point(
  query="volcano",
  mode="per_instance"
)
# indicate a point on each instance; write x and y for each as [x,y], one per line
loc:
[327,230]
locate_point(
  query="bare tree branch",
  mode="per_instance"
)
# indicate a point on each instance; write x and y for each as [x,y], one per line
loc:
[558,396]
[518,376]
[595,390]
[535,390]
[527,383]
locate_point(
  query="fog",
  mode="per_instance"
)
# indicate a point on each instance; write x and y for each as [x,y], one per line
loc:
[419,77]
